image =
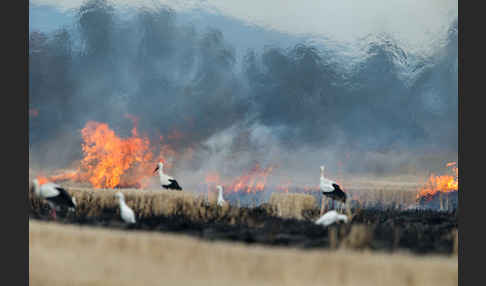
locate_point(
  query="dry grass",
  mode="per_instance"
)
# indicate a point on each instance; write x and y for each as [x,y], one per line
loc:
[291,205]
[145,203]
[111,257]
[394,192]
[391,192]
[149,203]
[389,197]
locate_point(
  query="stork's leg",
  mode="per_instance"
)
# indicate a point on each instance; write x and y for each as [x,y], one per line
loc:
[53,214]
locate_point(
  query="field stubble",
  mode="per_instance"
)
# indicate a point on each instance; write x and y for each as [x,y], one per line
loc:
[98,256]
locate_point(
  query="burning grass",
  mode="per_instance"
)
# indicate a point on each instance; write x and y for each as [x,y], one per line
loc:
[115,257]
[111,161]
[440,184]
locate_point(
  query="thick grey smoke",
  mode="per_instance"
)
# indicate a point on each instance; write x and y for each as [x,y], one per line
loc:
[282,105]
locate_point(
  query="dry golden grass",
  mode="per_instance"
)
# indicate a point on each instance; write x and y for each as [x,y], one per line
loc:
[397,191]
[148,203]
[291,205]
[389,191]
[145,203]
[96,256]
[389,197]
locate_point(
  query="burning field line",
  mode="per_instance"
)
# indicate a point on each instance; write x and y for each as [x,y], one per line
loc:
[112,257]
[152,203]
[287,220]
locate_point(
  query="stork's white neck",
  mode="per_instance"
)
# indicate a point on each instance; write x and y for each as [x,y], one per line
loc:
[121,200]
[161,172]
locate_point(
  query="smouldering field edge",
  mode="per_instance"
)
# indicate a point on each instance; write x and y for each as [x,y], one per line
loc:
[287,220]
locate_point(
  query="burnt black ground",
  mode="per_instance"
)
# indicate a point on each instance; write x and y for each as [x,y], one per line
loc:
[418,231]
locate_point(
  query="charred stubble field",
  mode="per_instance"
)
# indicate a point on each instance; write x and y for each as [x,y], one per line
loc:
[389,230]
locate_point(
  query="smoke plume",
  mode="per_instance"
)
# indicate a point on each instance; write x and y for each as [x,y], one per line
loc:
[296,107]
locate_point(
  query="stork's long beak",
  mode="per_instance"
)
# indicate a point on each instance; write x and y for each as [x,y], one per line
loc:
[156,169]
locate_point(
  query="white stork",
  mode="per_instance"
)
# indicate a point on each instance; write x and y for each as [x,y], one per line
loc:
[331,217]
[126,212]
[221,200]
[331,190]
[55,195]
[166,181]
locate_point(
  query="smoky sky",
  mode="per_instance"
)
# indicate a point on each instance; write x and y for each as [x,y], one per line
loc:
[176,76]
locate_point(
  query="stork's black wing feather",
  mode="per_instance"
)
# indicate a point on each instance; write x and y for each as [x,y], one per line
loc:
[173,185]
[62,199]
[336,187]
[337,194]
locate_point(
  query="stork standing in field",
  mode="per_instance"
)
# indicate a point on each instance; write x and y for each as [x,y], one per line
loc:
[331,190]
[166,181]
[221,200]
[126,212]
[55,195]
[331,217]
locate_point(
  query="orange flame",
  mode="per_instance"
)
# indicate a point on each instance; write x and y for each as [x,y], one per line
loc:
[42,180]
[450,164]
[253,181]
[284,187]
[444,183]
[108,157]
[110,161]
